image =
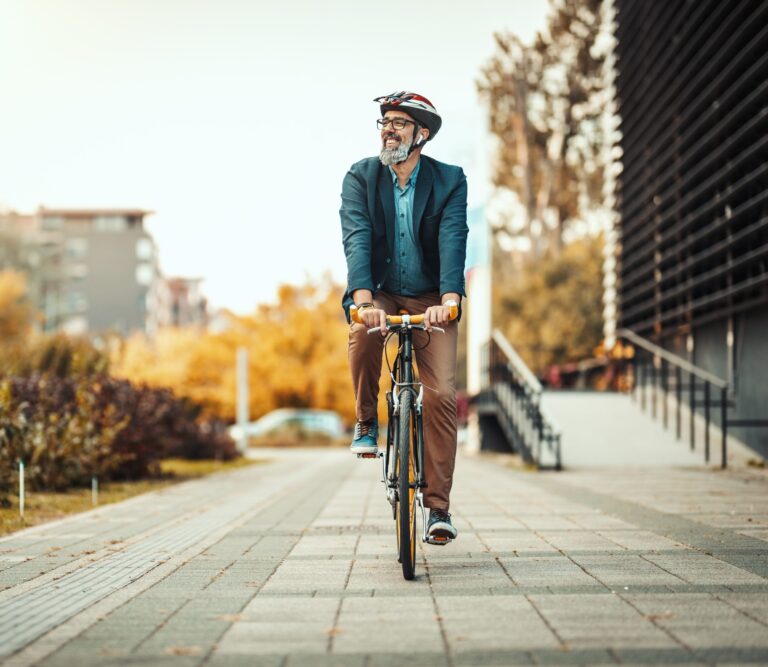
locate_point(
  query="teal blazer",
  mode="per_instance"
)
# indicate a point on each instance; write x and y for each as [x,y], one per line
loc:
[368,225]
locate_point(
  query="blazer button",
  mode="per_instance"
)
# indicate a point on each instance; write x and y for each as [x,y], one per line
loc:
[378,286]
[388,260]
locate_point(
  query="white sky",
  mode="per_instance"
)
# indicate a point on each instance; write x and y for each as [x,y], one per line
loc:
[234,120]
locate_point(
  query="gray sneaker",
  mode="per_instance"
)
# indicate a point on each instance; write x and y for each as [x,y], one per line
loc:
[440,529]
[364,441]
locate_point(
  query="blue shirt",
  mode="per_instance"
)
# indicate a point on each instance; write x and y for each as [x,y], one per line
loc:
[406,275]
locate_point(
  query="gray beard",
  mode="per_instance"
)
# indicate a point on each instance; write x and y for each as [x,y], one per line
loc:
[390,156]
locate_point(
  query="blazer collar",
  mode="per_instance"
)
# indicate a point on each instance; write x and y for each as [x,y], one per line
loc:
[423,190]
[424,182]
[387,198]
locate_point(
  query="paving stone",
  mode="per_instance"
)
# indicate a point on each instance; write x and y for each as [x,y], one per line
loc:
[220,660]
[335,660]
[568,656]
[625,570]
[384,659]
[497,623]
[487,658]
[547,570]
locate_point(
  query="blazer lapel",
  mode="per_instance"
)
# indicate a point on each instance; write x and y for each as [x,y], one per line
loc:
[387,197]
[423,189]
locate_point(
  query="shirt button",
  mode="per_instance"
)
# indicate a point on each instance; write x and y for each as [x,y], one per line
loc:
[402,215]
[402,234]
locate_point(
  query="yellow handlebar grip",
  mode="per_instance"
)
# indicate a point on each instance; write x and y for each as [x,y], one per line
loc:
[354,315]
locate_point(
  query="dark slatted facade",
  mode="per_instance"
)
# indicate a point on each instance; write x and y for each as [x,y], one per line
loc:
[693,194]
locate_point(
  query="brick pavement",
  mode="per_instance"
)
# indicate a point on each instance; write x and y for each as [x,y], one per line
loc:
[292,563]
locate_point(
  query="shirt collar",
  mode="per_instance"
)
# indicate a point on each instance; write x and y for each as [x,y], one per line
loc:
[411,179]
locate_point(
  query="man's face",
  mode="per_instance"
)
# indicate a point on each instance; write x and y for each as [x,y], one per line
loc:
[395,143]
[392,138]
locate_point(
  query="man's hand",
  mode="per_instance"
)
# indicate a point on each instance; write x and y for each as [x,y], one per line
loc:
[437,315]
[374,317]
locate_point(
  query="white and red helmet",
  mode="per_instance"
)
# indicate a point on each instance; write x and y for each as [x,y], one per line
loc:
[417,106]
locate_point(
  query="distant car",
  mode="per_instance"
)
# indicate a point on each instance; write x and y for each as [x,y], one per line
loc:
[305,420]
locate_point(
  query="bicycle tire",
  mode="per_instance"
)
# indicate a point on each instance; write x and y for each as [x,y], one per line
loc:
[406,519]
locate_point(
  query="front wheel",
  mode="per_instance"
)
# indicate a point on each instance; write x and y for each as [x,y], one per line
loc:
[406,487]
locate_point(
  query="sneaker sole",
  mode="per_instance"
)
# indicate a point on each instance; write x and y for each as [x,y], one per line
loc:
[442,533]
[364,450]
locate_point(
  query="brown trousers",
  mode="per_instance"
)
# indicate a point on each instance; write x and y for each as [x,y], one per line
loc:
[436,368]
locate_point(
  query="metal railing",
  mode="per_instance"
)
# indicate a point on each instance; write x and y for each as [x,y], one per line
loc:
[657,373]
[516,393]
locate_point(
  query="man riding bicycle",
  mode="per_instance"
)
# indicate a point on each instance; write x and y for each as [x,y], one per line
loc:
[404,227]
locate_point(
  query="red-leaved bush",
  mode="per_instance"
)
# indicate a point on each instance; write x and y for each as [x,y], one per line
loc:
[67,430]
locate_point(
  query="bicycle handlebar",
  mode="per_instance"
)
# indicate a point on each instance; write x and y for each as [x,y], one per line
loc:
[354,315]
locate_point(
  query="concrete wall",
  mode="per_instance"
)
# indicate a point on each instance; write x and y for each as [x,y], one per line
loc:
[747,372]
[751,369]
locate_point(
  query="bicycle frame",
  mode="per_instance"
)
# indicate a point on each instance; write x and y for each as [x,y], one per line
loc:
[403,379]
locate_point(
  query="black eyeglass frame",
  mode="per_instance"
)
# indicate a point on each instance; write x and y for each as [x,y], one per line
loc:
[381,123]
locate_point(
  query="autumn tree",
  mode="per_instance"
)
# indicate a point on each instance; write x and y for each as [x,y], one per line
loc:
[297,356]
[548,109]
[545,103]
[16,313]
[552,312]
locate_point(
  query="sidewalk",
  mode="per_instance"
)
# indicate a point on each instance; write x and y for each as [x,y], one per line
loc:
[293,563]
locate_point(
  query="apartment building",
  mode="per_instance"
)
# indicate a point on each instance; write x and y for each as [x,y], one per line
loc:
[177,302]
[88,270]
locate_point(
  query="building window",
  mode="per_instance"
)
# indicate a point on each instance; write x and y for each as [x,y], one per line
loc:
[145,249]
[52,222]
[75,326]
[77,224]
[77,271]
[77,302]
[76,249]
[110,223]
[144,274]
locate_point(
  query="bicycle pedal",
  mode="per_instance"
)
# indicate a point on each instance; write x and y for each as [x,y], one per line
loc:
[438,541]
[368,456]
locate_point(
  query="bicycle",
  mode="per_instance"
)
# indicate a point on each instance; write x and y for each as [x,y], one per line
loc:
[403,457]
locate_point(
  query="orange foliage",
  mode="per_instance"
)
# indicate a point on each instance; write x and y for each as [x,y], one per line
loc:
[16,314]
[297,357]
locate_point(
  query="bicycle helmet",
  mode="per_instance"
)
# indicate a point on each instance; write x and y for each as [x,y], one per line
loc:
[417,106]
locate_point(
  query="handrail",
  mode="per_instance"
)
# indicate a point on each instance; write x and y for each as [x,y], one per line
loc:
[516,394]
[517,363]
[662,373]
[673,359]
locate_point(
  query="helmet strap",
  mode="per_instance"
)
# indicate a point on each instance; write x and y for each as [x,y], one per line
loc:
[414,145]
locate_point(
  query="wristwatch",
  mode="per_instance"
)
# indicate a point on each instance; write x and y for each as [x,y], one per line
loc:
[451,303]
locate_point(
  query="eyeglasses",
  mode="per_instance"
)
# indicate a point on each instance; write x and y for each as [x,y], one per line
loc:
[396,123]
